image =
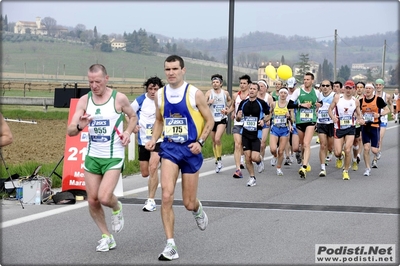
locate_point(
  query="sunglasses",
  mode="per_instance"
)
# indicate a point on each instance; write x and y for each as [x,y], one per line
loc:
[325,85]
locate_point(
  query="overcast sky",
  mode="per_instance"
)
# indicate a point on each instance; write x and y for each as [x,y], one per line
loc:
[210,19]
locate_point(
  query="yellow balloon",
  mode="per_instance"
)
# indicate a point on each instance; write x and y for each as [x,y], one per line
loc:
[284,72]
[270,72]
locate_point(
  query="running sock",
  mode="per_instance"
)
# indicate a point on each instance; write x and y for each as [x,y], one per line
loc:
[218,150]
[171,241]
[116,212]
[198,210]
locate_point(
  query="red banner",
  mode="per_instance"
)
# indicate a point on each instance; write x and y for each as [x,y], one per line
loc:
[74,156]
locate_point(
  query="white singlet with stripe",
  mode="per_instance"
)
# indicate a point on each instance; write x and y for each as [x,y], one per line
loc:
[104,141]
[218,104]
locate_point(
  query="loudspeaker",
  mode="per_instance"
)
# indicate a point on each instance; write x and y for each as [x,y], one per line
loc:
[63,96]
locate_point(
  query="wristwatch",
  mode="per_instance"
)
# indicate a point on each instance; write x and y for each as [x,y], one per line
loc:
[201,142]
[78,127]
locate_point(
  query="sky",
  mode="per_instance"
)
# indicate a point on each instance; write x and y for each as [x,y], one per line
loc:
[210,19]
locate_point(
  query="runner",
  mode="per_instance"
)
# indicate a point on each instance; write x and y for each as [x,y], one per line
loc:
[264,95]
[357,147]
[280,128]
[242,94]
[343,118]
[309,99]
[254,112]
[325,124]
[219,101]
[372,108]
[379,85]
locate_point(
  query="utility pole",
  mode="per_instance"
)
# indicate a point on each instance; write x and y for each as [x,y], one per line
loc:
[230,55]
[383,61]
[334,59]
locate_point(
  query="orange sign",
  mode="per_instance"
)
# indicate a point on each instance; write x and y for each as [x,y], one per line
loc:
[74,156]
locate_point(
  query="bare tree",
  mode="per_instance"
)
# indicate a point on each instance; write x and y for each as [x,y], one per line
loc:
[79,28]
[254,60]
[50,24]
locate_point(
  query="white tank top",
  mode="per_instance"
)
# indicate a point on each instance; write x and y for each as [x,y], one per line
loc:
[218,104]
[237,102]
[345,111]
[104,140]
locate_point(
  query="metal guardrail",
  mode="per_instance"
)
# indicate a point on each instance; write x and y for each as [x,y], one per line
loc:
[32,101]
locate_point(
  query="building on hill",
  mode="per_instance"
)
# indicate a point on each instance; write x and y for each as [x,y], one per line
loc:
[36,28]
[262,75]
[118,44]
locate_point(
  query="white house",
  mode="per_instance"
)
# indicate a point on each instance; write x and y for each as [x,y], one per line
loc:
[118,44]
[36,28]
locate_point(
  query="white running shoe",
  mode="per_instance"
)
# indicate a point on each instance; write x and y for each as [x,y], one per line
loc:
[149,205]
[374,163]
[367,172]
[279,172]
[117,219]
[170,252]
[106,243]
[273,161]
[378,156]
[322,173]
[298,157]
[260,167]
[201,219]
[218,167]
[251,182]
[291,158]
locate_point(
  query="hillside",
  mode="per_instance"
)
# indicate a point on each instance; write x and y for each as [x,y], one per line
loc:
[271,47]
[53,61]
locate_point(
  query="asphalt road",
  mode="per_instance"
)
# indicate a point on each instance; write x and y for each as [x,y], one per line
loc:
[279,221]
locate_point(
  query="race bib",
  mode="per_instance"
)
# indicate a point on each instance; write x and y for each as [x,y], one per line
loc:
[306,115]
[250,123]
[323,116]
[368,117]
[280,121]
[176,129]
[100,130]
[346,121]
[217,110]
[149,131]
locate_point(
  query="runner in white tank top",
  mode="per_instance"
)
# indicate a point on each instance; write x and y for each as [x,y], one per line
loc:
[103,110]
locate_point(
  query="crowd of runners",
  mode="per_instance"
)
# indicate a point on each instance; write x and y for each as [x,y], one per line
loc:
[348,119]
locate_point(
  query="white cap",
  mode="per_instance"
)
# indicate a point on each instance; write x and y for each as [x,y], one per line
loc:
[291,82]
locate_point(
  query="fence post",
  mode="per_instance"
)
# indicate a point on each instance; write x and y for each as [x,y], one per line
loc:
[131,148]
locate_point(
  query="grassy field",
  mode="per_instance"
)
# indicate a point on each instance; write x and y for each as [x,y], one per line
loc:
[55,61]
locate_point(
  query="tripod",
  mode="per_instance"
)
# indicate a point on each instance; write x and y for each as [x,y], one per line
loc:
[8,172]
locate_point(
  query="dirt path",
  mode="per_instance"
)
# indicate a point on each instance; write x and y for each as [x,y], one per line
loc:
[43,142]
